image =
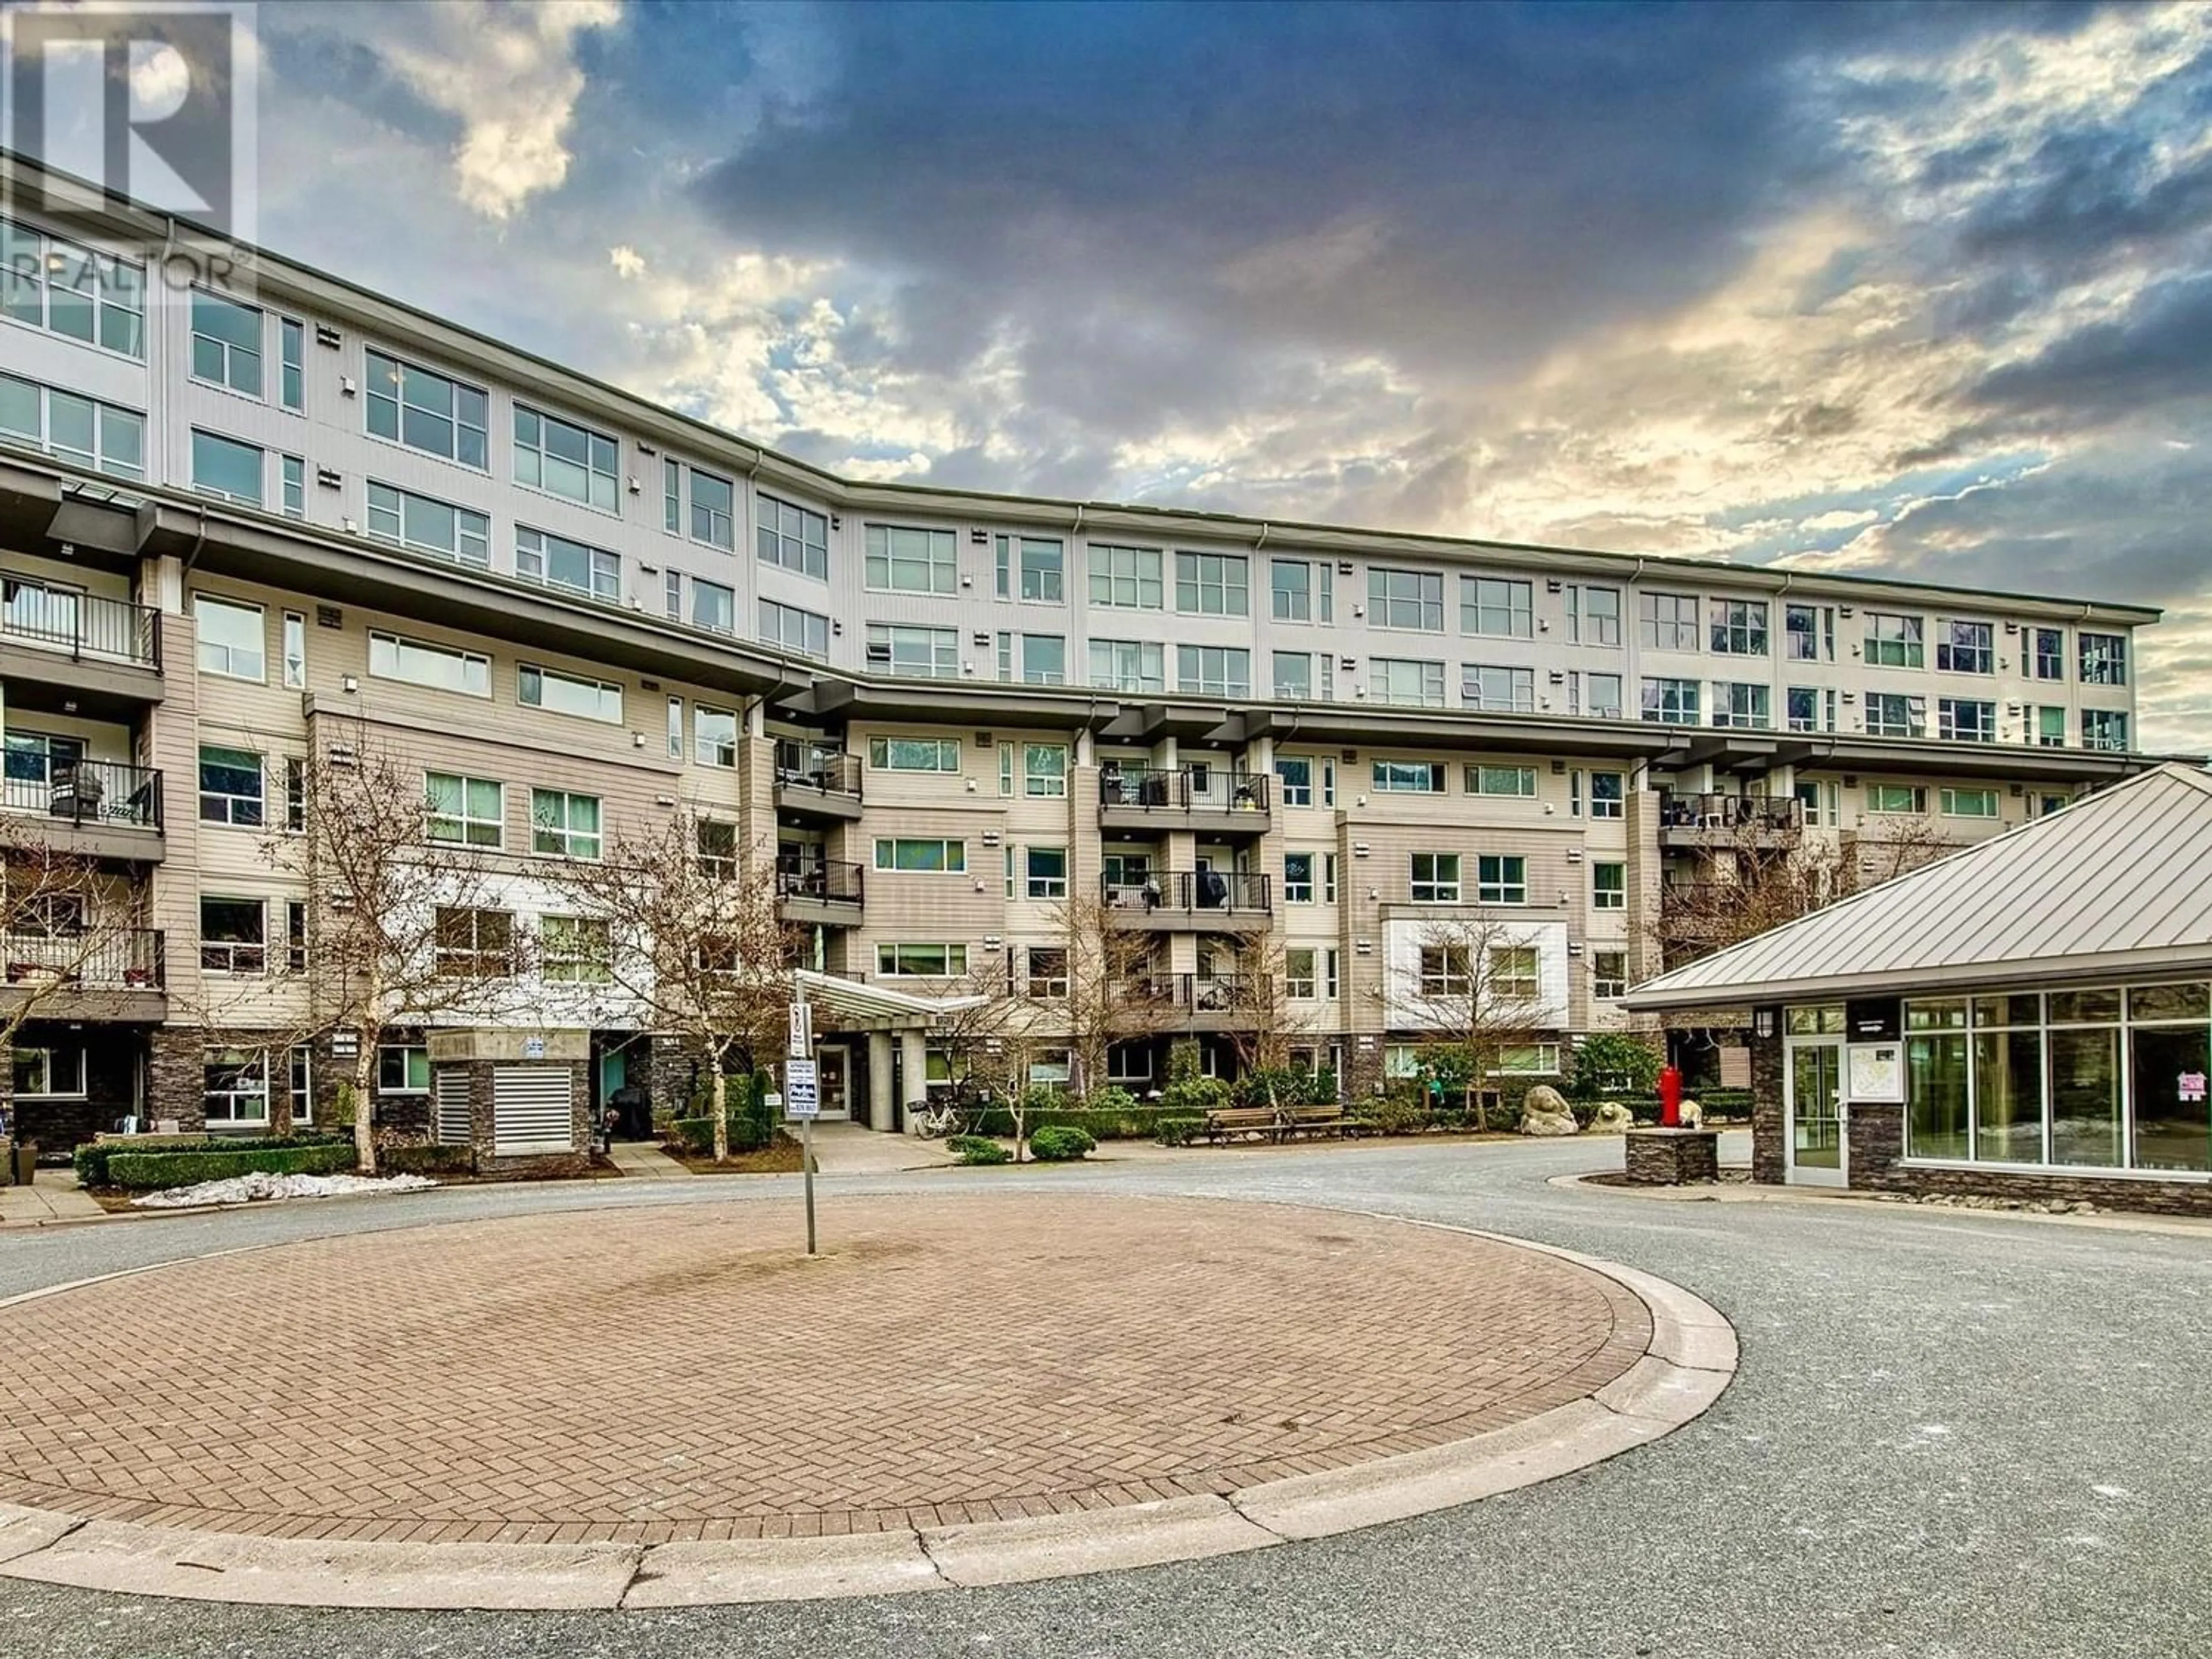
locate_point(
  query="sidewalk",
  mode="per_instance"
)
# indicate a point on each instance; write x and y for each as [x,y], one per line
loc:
[643,1160]
[55,1197]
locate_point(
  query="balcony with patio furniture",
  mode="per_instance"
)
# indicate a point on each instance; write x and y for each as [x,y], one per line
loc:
[1754,821]
[818,783]
[1191,901]
[1210,800]
[818,892]
[86,808]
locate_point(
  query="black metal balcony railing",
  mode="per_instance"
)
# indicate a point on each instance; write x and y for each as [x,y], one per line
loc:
[82,625]
[1204,788]
[824,880]
[1195,891]
[1199,993]
[813,767]
[88,792]
[97,960]
[1772,814]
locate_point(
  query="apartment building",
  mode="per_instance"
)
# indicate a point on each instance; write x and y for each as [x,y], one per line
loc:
[234,523]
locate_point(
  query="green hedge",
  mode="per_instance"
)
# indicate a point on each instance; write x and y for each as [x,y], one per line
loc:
[977,1149]
[416,1158]
[1177,1131]
[146,1171]
[749,1133]
[92,1159]
[1133,1123]
[1061,1142]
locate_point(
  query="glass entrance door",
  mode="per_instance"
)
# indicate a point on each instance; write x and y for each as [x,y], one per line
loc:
[1815,1077]
[833,1079]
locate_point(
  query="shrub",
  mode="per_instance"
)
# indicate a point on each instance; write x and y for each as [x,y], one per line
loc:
[1112,1101]
[1195,1095]
[1177,1131]
[426,1159]
[1059,1143]
[144,1171]
[752,1126]
[977,1149]
[92,1159]
[1394,1115]
[1609,1066]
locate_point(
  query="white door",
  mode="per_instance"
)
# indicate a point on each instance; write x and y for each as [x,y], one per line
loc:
[1813,1078]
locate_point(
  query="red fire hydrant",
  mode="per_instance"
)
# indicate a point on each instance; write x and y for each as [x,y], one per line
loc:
[1670,1097]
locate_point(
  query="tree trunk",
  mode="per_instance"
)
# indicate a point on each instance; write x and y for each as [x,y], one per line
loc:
[364,1116]
[717,1093]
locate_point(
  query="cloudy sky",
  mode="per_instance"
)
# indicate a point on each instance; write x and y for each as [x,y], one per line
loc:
[1923,290]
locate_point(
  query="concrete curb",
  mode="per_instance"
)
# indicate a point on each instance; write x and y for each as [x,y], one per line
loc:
[1690,1359]
[2126,1221]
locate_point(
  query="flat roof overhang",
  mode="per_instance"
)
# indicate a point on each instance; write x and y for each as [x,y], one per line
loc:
[837,699]
[2014,762]
[1956,979]
[1395,728]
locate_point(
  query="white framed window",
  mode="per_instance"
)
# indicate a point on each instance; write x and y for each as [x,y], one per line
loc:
[1608,975]
[1895,715]
[715,845]
[296,795]
[1515,780]
[1328,877]
[915,754]
[234,1085]
[50,283]
[233,638]
[1592,615]
[1501,878]
[565,459]
[1529,1058]
[2050,659]
[234,936]
[1739,627]
[563,824]
[1044,770]
[557,561]
[1406,598]
[1045,871]
[915,652]
[232,788]
[578,950]
[1966,648]
[292,483]
[225,343]
[1897,800]
[1609,886]
[291,336]
[1514,974]
[1497,690]
[402,1068]
[1127,578]
[1043,658]
[1671,702]
[1128,665]
[921,854]
[1434,877]
[921,961]
[1500,606]
[714,510]
[418,662]
[225,468]
[715,736]
[72,428]
[1810,631]
[714,606]
[429,526]
[1964,720]
[795,630]
[50,1073]
[1031,567]
[2104,657]
[671,591]
[1737,702]
[1969,803]
[1048,972]
[426,410]
[1406,682]
[794,536]
[1302,974]
[1294,676]
[1608,794]
[1291,589]
[902,559]
[1299,877]
[1444,972]
[465,812]
[1213,585]
[2105,729]
[474,943]
[671,497]
[1398,777]
[1894,640]
[1604,697]
[567,694]
[1667,622]
[1214,671]
[1294,773]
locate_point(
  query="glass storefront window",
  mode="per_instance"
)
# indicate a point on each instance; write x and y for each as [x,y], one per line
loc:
[1935,1016]
[1935,1070]
[1823,1021]
[2085,1094]
[2084,1007]
[2009,1096]
[2167,1087]
[2149,1002]
[2009,1010]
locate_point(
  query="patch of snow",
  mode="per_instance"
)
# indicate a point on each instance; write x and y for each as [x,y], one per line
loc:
[257,1186]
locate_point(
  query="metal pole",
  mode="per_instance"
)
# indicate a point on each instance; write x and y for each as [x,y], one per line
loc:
[806,1138]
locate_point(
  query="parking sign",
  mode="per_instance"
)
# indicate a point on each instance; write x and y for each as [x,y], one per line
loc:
[800,1096]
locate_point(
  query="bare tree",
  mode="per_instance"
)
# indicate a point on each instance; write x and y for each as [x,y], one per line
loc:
[1267,1020]
[1475,982]
[68,930]
[1116,993]
[694,943]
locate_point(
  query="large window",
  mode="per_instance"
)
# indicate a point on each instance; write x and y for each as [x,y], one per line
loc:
[1897,800]
[474,944]
[1518,782]
[1433,878]
[72,428]
[2104,728]
[1127,578]
[1299,877]
[1044,770]
[1969,803]
[1966,648]
[1498,690]
[426,411]
[465,812]
[565,459]
[1592,615]
[1497,605]
[227,468]
[1516,976]
[1962,719]
[917,652]
[1608,794]
[402,1068]
[557,561]
[1031,567]
[234,936]
[2049,659]
[1609,886]
[715,510]
[929,855]
[1811,630]
[1405,681]
[50,1073]
[1739,627]
[1895,641]
[1294,676]
[714,607]
[2104,659]
[55,285]
[1128,665]
[430,526]
[1214,671]
[1604,699]
[1445,971]
[233,638]
[1737,702]
[440,667]
[234,1085]
[1397,777]
[1033,659]
[923,961]
[1608,975]
[1671,702]
[1501,878]
[1406,598]
[577,949]
[803,631]
[1667,622]
[1893,714]
[793,537]
[230,787]
[715,736]
[914,754]
[563,824]
[1045,872]
[904,560]
[569,694]
[1213,585]
[1290,588]
[1806,706]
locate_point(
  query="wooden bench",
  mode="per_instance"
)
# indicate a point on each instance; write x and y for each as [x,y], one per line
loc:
[1229,1121]
[1310,1121]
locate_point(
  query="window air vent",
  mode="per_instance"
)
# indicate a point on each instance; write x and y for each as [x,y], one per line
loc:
[982,636]
[987,740]
[329,615]
[329,477]
[1344,567]
[341,900]
[980,537]
[325,335]
[1559,677]
[1554,586]
[341,753]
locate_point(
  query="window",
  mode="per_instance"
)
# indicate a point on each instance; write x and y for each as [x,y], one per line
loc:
[917,652]
[2104,659]
[426,411]
[1671,702]
[50,1073]
[225,468]
[791,536]
[1043,658]
[927,961]
[465,812]
[714,607]
[1608,975]
[1960,719]
[915,754]
[714,511]
[1328,783]
[1498,690]
[1293,676]
[1045,870]
[2104,728]
[440,667]
[1897,800]
[565,459]
[715,843]
[1298,877]
[1802,704]
[73,428]
[291,339]
[671,497]
[226,343]
[233,641]
[1893,714]
[1126,578]
[559,562]
[2050,727]
[715,736]
[1592,615]
[1496,606]
[795,630]
[474,944]
[1535,1059]
[1515,972]
[1739,703]
[1604,696]
[1212,585]
[569,694]
[1893,640]
[1291,587]
[1811,631]
[563,824]
[1048,972]
[1328,877]
[234,1085]
[2050,653]
[1295,773]
[1739,627]
[232,936]
[1302,974]
[1516,780]
[1434,877]
[576,950]
[1127,666]
[1966,648]
[1609,886]
[1443,970]
[671,589]
[1406,682]
[1608,794]
[296,795]
[1044,770]
[1667,622]
[932,855]
[430,526]
[1040,564]
[908,561]
[230,787]
[1409,777]
[1969,803]
[1501,879]
[1214,671]
[402,1068]
[1406,598]
[55,285]
[292,480]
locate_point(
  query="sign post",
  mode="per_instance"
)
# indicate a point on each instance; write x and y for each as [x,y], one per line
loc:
[802,1097]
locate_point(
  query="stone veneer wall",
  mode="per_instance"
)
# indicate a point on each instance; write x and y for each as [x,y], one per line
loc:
[1770,1125]
[1876,1139]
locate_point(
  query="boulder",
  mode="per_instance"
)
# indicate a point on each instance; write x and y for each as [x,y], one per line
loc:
[1544,1111]
[1612,1118]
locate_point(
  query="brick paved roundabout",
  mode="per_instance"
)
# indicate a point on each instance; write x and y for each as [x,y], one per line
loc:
[675,1405]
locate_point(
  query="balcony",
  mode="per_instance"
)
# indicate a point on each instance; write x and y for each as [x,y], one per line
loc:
[1209,799]
[1746,822]
[103,654]
[1208,1002]
[100,974]
[812,782]
[1191,901]
[87,808]
[819,892]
